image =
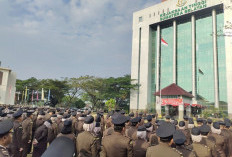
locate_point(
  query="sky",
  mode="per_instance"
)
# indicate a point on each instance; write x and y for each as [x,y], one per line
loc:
[67,38]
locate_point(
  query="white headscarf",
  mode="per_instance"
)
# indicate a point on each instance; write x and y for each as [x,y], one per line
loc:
[47,124]
[142,134]
[97,130]
[196,138]
[216,131]
[88,127]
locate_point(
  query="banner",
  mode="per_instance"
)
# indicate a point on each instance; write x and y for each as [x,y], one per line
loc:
[173,102]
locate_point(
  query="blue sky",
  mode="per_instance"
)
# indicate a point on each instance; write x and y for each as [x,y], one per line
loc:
[67,38]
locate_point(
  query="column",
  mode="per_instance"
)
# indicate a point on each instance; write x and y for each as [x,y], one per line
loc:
[138,92]
[181,111]
[215,59]
[193,59]
[174,52]
[158,105]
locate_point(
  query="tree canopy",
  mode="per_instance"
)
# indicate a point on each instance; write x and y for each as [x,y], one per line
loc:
[95,91]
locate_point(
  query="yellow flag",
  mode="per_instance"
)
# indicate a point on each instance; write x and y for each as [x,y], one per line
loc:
[42,95]
[26,93]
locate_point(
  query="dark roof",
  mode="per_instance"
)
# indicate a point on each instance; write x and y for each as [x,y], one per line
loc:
[173,89]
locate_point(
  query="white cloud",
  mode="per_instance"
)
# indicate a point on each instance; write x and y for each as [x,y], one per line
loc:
[72,37]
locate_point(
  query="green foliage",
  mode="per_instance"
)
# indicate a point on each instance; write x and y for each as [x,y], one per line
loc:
[96,90]
[110,104]
[79,104]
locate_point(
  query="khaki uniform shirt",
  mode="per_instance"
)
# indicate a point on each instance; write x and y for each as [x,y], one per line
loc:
[27,130]
[86,145]
[162,150]
[116,145]
[202,150]
[132,133]
[140,147]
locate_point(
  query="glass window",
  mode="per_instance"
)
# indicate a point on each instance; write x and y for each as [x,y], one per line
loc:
[140,19]
[166,57]
[184,56]
[204,60]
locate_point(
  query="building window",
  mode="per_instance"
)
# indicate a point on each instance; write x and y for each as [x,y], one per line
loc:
[150,15]
[158,12]
[1,76]
[140,19]
[154,14]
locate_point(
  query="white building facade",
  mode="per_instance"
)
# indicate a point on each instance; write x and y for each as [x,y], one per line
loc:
[7,86]
[187,42]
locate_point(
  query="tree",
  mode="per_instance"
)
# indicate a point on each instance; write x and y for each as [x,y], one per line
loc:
[119,89]
[110,104]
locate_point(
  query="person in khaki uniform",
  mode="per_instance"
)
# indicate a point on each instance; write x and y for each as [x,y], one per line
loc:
[17,145]
[204,130]
[151,135]
[186,132]
[186,121]
[86,142]
[53,131]
[165,133]
[117,145]
[27,133]
[179,139]
[132,131]
[198,146]
[67,131]
[140,145]
[219,140]
[5,136]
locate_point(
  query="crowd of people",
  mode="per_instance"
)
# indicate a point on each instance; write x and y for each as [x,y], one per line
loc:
[25,130]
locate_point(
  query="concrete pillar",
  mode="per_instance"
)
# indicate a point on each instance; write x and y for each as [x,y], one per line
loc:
[181,111]
[166,110]
[139,68]
[193,59]
[188,111]
[215,59]
[174,52]
[158,99]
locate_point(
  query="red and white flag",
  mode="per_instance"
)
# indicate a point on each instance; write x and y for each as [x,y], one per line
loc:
[164,42]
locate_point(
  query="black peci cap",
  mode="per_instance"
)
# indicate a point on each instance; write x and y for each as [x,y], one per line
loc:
[216,125]
[228,124]
[175,122]
[148,125]
[142,128]
[89,120]
[67,123]
[181,123]
[5,127]
[18,113]
[186,117]
[191,121]
[199,120]
[120,120]
[195,131]
[168,117]
[165,130]
[132,114]
[149,117]
[209,121]
[60,147]
[179,137]
[135,120]
[204,129]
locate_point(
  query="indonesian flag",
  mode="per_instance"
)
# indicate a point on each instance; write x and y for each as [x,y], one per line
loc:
[164,42]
